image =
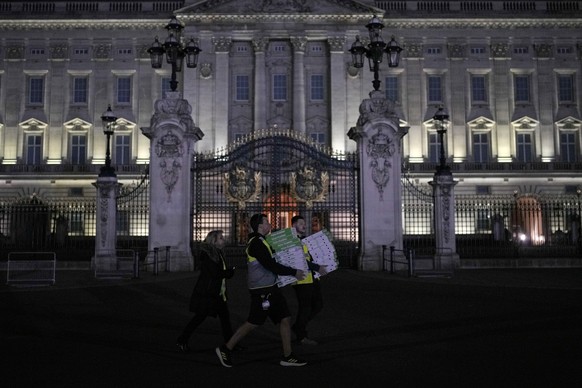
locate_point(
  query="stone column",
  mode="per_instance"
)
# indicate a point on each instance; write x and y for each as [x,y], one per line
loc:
[172,137]
[446,257]
[378,136]
[260,93]
[222,93]
[299,83]
[338,98]
[105,259]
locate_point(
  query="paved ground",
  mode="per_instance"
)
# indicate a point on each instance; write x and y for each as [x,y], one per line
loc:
[480,328]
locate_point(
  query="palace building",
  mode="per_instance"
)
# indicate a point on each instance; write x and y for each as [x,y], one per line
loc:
[507,72]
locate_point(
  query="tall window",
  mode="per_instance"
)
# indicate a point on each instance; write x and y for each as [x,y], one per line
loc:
[122,222]
[280,87]
[33,149]
[478,93]
[435,89]
[481,147]
[521,88]
[318,137]
[565,88]
[568,146]
[35,90]
[524,147]
[392,88]
[434,147]
[122,149]
[80,90]
[316,87]
[78,149]
[124,90]
[242,88]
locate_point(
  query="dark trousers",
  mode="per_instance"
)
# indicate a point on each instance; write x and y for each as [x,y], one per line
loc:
[310,302]
[197,319]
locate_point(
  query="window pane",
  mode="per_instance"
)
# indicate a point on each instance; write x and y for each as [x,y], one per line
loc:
[317,87]
[434,89]
[392,88]
[521,88]
[36,91]
[433,147]
[524,147]
[124,90]
[565,88]
[122,149]
[33,149]
[280,87]
[242,88]
[478,89]
[481,147]
[568,147]
[78,149]
[80,90]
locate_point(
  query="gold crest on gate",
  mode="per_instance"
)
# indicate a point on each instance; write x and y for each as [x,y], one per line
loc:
[241,185]
[307,186]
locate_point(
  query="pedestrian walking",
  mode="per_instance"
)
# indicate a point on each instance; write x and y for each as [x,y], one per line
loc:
[209,297]
[308,290]
[266,298]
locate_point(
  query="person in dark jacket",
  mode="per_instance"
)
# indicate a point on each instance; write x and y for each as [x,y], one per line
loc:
[209,294]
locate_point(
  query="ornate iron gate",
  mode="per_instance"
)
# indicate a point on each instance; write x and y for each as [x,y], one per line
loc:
[281,174]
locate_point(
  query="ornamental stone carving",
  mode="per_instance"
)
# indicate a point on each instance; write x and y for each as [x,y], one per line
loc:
[59,51]
[299,43]
[336,43]
[101,51]
[222,44]
[413,50]
[259,44]
[278,6]
[499,50]
[15,52]
[543,50]
[457,51]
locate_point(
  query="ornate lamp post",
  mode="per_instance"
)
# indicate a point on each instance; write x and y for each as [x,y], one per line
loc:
[109,122]
[441,118]
[175,51]
[375,50]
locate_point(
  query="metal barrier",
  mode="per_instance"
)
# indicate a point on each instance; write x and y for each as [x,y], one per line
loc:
[123,263]
[31,268]
[156,262]
[408,253]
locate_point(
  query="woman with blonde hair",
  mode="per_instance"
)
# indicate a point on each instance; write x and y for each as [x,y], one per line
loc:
[209,294]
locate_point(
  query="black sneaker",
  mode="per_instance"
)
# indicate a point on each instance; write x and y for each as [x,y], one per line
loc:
[224,356]
[291,360]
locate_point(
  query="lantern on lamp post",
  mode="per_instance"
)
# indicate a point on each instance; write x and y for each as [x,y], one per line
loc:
[375,50]
[175,51]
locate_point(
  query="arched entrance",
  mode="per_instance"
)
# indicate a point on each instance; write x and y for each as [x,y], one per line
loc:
[281,174]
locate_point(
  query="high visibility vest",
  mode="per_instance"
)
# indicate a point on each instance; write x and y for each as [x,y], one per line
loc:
[259,276]
[309,278]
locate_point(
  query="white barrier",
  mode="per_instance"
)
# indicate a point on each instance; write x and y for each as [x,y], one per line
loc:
[31,268]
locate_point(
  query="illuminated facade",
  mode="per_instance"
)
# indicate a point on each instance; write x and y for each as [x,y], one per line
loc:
[507,71]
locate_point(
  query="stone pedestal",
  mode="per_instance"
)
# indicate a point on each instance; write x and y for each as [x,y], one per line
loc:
[173,135]
[378,136]
[105,259]
[446,257]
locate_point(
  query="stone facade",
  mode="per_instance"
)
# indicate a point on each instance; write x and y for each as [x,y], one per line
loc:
[509,74]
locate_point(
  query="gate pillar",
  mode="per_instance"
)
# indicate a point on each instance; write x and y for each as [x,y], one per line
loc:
[105,258]
[172,137]
[378,136]
[446,257]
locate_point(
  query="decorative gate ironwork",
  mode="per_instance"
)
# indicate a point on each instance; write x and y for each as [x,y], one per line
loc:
[418,217]
[281,174]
